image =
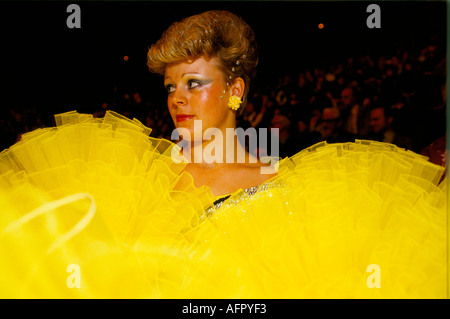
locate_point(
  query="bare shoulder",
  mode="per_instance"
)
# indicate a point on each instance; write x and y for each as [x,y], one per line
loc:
[228,178]
[255,174]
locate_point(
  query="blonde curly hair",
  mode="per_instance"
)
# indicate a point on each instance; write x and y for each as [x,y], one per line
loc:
[212,34]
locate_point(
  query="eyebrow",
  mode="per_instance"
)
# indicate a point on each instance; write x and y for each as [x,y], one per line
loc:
[184,74]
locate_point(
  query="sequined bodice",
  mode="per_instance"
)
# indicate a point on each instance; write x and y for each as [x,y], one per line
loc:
[219,202]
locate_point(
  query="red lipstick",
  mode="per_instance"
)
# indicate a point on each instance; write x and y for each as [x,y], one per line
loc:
[183,117]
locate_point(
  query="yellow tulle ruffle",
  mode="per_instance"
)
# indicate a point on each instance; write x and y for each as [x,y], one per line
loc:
[113,181]
[354,220]
[95,208]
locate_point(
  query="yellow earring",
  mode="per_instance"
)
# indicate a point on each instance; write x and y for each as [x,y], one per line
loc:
[235,102]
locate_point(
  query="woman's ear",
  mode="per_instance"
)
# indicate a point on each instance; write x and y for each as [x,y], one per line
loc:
[237,88]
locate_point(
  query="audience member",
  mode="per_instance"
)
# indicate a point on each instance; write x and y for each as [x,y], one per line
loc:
[397,98]
[381,122]
[331,127]
[287,143]
[353,114]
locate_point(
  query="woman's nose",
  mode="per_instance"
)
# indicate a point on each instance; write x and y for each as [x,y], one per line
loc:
[179,97]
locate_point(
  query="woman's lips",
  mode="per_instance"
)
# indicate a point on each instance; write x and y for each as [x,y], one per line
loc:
[184,117]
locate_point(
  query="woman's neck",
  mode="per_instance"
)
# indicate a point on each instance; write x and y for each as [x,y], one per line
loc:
[220,148]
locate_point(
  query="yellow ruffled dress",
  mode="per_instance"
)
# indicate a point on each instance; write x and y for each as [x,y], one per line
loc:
[95,208]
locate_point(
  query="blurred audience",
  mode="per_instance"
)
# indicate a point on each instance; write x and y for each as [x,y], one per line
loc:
[397,99]
[331,128]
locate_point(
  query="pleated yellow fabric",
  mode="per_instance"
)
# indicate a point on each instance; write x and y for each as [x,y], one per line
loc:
[95,208]
[108,181]
[355,220]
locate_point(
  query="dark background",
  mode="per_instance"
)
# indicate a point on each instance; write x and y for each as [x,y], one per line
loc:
[47,66]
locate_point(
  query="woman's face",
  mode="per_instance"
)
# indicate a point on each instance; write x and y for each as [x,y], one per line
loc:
[194,93]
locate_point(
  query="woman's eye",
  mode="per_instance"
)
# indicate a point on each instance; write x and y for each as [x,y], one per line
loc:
[170,88]
[193,84]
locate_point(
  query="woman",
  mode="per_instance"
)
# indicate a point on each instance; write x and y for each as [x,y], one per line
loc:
[208,61]
[93,202]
